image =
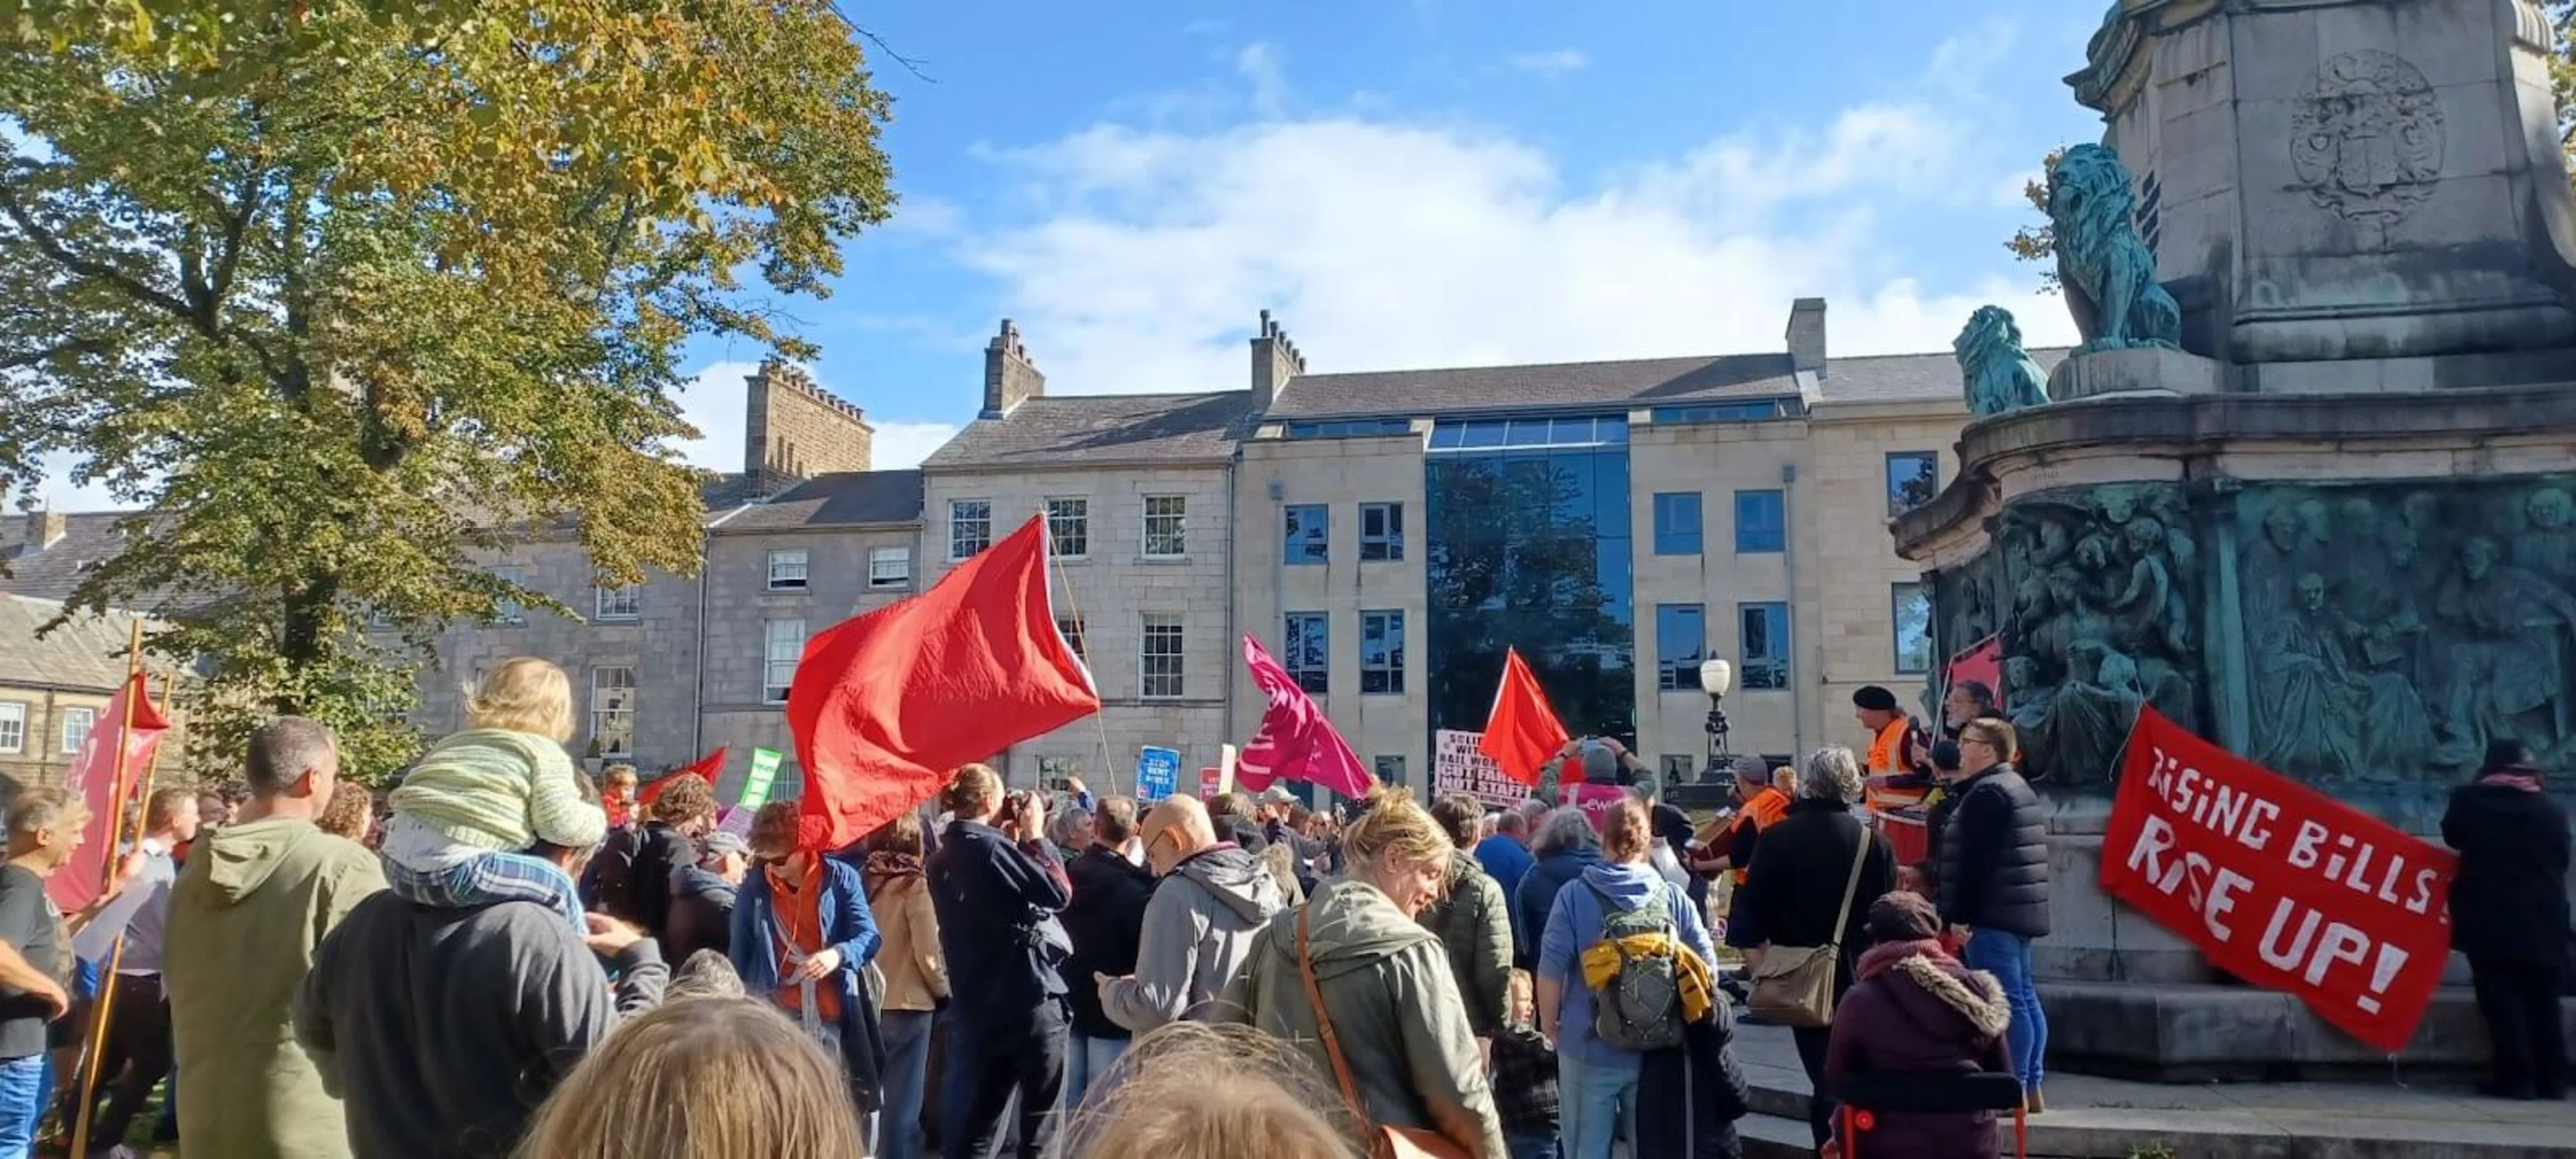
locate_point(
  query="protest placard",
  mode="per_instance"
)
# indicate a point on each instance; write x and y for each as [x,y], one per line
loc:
[1456,767]
[764,773]
[2279,884]
[1158,773]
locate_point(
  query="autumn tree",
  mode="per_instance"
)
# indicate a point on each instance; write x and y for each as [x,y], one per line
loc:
[347,293]
[2038,243]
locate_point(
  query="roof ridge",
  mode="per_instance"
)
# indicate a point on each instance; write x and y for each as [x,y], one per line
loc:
[1545,365]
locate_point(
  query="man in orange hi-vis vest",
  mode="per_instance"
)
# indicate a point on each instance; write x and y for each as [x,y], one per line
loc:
[1896,777]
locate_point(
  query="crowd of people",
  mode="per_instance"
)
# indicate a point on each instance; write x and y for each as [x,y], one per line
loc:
[497,959]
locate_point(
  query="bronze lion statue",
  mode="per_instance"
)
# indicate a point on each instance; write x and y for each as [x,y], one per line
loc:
[1996,373]
[2107,273]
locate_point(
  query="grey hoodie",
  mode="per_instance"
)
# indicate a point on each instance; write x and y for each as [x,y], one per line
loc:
[1386,984]
[1198,927]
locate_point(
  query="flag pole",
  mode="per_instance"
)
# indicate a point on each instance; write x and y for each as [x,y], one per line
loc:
[116,801]
[1108,766]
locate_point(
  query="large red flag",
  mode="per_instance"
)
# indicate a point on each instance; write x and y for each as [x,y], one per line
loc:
[1295,743]
[886,706]
[707,766]
[92,778]
[1522,733]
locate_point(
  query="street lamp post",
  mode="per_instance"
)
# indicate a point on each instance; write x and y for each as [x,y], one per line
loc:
[1716,677]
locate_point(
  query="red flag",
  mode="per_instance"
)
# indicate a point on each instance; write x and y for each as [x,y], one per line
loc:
[92,778]
[1295,743]
[706,767]
[1522,734]
[884,707]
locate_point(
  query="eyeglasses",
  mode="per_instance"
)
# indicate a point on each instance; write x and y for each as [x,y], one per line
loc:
[1978,741]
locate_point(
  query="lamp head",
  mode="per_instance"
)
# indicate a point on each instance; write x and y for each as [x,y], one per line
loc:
[1717,677]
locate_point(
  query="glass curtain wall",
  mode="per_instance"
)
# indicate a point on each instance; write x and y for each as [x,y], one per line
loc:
[1528,547]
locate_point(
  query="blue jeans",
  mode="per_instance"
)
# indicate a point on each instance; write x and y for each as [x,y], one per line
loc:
[1087,1062]
[489,877]
[1523,1145]
[1595,1105]
[26,1085]
[2007,957]
[907,1071]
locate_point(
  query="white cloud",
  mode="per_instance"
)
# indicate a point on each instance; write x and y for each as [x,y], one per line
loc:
[59,493]
[1552,63]
[1259,65]
[901,445]
[1384,243]
[713,400]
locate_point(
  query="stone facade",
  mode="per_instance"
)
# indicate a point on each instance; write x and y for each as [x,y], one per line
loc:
[54,691]
[793,429]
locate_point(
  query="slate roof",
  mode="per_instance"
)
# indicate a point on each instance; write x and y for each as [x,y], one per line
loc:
[53,572]
[1648,381]
[87,652]
[1080,430]
[838,499]
[1908,377]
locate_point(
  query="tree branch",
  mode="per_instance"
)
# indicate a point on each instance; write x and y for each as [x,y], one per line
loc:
[909,64]
[52,247]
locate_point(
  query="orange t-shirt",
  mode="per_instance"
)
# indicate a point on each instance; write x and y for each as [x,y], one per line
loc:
[799,910]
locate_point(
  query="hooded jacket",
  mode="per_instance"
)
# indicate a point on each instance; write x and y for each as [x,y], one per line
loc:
[1917,1011]
[1574,925]
[1537,896]
[249,907]
[1105,920]
[1475,927]
[1395,1011]
[699,916]
[1197,931]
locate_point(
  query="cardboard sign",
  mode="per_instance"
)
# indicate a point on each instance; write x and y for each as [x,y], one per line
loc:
[1457,767]
[1158,773]
[764,773]
[2279,884]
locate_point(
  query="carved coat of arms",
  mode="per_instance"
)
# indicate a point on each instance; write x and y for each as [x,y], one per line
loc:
[2366,139]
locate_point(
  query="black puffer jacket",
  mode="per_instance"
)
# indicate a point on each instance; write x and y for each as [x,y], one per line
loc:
[2510,898]
[1994,856]
[1801,870]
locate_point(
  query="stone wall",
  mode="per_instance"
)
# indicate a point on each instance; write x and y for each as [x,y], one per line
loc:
[794,429]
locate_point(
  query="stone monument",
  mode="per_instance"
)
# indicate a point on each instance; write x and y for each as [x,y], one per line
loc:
[2309,485]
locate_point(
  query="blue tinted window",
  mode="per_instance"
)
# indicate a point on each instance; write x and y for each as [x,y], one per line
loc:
[1680,645]
[1309,531]
[1309,654]
[1486,433]
[1766,646]
[1381,532]
[1761,522]
[1350,428]
[1677,523]
[1911,612]
[1382,653]
[1913,478]
[1725,412]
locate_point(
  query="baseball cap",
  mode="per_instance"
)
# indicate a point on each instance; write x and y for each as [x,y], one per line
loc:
[723,843]
[1276,795]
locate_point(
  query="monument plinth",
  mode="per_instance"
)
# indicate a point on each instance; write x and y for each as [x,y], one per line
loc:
[2308,487]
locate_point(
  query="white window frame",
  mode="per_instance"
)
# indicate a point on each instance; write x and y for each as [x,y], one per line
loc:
[88,718]
[13,727]
[775,679]
[1069,626]
[617,604]
[1073,513]
[1152,625]
[507,612]
[786,560]
[604,709]
[878,578]
[1175,530]
[958,519]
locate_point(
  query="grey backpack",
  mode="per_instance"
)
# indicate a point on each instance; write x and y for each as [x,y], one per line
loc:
[1641,1007]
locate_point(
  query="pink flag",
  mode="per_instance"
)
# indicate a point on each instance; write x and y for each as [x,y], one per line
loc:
[1295,743]
[92,776]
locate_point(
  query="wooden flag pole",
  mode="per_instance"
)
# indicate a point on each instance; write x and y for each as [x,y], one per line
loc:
[1108,766]
[117,802]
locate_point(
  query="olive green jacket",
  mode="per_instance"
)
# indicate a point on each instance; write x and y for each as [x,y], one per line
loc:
[1395,1010]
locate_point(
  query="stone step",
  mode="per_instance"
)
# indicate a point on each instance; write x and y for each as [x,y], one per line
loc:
[1773,1137]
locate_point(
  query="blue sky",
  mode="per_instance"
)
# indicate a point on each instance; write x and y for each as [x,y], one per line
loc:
[1423,182]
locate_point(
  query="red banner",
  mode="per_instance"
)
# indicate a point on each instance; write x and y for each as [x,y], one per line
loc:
[1983,662]
[92,778]
[2279,884]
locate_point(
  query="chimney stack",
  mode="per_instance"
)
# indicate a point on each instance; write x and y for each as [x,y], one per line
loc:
[1009,377]
[1275,363]
[1807,335]
[45,528]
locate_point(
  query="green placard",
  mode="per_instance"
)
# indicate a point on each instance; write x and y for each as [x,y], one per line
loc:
[764,770]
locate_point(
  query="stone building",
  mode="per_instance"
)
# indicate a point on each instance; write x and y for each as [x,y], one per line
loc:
[54,689]
[1385,535]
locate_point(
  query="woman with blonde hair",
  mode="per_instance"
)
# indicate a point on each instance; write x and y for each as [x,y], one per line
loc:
[1190,1090]
[705,1078]
[1390,1027]
[916,983]
[471,806]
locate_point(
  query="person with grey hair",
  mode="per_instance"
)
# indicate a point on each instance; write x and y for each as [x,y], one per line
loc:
[251,905]
[1803,867]
[1565,845]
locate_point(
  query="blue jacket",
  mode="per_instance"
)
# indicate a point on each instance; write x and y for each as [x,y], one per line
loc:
[848,927]
[1536,896]
[1507,861]
[997,904]
[1574,925]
